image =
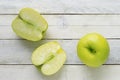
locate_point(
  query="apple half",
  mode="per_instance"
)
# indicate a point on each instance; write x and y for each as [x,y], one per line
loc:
[49,57]
[30,25]
[93,49]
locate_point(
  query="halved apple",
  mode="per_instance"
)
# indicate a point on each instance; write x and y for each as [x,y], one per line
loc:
[49,58]
[30,25]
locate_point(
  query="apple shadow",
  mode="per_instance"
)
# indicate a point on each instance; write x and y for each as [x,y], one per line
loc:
[31,45]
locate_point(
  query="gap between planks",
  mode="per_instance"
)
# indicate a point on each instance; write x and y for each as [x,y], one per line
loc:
[60,39]
[63,64]
[71,14]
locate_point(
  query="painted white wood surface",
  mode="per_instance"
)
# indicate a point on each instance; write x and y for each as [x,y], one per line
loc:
[19,51]
[68,72]
[67,19]
[62,6]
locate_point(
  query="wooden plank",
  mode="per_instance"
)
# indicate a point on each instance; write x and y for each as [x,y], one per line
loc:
[71,19]
[19,51]
[69,26]
[61,6]
[68,72]
[66,32]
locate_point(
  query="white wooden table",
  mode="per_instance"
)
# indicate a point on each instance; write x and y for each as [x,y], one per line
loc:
[68,21]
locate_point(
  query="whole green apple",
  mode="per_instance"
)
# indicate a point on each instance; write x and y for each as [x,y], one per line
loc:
[49,58]
[29,24]
[93,49]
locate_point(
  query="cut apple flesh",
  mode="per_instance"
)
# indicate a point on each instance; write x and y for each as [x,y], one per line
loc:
[29,25]
[50,57]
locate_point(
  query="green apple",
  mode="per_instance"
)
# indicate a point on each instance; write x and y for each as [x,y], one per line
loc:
[93,49]
[49,58]
[30,25]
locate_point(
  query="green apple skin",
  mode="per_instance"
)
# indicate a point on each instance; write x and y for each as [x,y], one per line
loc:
[49,58]
[93,49]
[29,24]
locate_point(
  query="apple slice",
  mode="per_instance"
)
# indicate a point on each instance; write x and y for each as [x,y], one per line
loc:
[29,24]
[49,58]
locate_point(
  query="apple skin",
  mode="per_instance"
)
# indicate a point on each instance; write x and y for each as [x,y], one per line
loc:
[93,49]
[29,24]
[49,58]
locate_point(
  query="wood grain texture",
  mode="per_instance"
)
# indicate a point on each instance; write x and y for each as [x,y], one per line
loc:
[61,6]
[68,72]
[19,51]
[69,26]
